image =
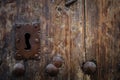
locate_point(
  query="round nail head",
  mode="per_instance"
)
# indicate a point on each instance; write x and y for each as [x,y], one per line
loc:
[57,61]
[18,70]
[52,70]
[89,67]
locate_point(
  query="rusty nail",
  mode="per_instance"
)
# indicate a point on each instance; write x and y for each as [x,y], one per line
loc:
[59,8]
[51,70]
[89,67]
[18,70]
[69,2]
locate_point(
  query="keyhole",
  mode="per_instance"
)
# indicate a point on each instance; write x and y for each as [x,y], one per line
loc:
[27,41]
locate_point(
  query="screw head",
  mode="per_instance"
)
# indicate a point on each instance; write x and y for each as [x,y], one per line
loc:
[52,70]
[18,70]
[36,40]
[89,67]
[57,61]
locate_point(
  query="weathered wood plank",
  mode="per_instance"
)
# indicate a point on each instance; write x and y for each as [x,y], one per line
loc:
[109,44]
[6,21]
[68,34]
[91,33]
[61,33]
[102,42]
[86,30]
[77,40]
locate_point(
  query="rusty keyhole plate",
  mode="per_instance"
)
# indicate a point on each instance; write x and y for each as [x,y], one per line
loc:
[27,41]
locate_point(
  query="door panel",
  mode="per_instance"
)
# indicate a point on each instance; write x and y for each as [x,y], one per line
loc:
[61,33]
[86,30]
[102,39]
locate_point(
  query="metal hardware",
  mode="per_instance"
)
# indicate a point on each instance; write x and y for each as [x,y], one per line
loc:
[37,40]
[89,67]
[27,41]
[57,61]
[51,70]
[18,70]
[69,2]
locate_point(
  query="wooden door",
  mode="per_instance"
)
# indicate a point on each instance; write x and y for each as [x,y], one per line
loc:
[86,30]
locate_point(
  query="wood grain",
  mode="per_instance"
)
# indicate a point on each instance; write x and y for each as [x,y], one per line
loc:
[102,40]
[86,30]
[61,33]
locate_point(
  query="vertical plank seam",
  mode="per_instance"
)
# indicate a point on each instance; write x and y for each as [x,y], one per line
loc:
[84,25]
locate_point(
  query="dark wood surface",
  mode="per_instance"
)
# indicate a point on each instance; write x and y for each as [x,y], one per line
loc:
[87,30]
